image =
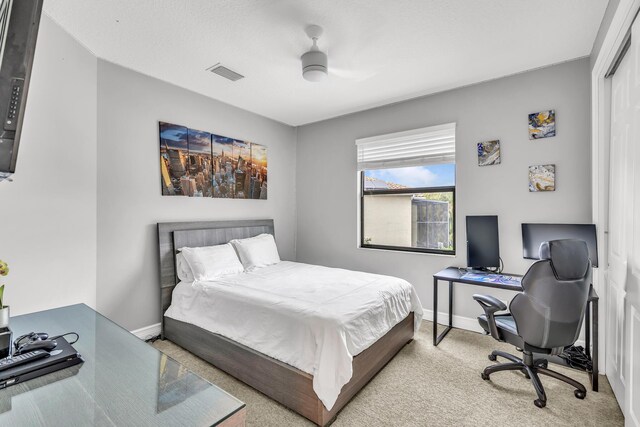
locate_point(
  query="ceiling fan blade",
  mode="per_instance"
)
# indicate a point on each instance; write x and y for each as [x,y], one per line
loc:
[358,76]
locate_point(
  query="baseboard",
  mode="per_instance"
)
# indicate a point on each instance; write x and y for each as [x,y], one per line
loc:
[147,332]
[460,322]
[466,323]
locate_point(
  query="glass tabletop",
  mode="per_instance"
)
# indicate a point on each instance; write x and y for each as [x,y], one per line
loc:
[123,381]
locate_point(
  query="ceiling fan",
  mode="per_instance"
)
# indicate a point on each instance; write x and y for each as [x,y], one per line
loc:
[314,62]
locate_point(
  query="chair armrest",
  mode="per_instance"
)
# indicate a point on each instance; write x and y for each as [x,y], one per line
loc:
[490,305]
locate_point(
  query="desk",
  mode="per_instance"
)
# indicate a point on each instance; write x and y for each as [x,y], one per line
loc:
[123,382]
[454,275]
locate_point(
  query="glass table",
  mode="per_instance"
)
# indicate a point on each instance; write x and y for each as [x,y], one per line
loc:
[123,381]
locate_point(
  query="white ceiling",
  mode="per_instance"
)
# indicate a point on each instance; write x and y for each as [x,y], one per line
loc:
[380,51]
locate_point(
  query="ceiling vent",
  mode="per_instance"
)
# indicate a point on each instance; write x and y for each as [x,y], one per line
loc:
[223,71]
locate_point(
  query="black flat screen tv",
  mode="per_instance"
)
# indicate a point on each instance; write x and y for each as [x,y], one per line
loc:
[19,22]
[534,234]
[483,249]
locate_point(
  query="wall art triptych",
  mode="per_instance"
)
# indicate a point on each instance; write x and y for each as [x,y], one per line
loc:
[196,163]
[541,177]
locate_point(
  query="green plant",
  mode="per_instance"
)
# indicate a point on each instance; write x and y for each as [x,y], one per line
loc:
[4,270]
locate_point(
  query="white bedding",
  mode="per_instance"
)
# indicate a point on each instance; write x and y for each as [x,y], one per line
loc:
[313,318]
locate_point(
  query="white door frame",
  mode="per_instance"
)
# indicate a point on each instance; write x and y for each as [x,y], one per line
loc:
[600,130]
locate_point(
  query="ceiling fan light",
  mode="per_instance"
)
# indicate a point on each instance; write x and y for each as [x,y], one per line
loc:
[314,66]
[315,74]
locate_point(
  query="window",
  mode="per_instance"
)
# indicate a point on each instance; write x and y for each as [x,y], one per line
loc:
[407,190]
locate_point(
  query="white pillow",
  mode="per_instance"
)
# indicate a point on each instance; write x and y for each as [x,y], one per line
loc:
[212,262]
[183,269]
[256,252]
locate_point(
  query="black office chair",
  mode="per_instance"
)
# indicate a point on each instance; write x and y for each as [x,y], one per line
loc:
[546,317]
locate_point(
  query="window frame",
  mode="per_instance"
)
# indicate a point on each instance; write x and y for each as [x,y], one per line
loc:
[445,189]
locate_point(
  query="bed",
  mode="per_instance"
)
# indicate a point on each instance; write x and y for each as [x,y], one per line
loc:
[284,382]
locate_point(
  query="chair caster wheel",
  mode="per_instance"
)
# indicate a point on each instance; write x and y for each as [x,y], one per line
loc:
[539,403]
[543,364]
[492,357]
[484,376]
[579,394]
[526,374]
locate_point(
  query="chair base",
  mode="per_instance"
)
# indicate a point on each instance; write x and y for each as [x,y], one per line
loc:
[531,369]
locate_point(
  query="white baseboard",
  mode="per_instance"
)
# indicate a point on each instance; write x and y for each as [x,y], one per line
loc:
[460,322]
[466,323]
[147,332]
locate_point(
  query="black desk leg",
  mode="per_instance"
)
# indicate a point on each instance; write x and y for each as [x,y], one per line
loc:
[437,338]
[594,360]
[435,312]
[587,330]
[450,305]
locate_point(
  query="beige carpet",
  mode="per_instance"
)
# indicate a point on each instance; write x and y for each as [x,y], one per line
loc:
[435,386]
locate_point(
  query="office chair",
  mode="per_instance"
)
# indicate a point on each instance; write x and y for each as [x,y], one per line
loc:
[545,317]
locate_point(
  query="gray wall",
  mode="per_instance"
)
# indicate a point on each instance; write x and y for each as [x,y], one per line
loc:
[48,214]
[79,218]
[327,179]
[129,195]
[81,213]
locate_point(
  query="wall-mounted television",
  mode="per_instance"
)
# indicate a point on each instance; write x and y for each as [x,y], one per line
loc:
[19,22]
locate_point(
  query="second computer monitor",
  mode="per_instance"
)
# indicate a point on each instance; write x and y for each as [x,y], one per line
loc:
[483,250]
[534,234]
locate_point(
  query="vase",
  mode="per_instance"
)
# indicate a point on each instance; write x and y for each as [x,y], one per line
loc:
[4,317]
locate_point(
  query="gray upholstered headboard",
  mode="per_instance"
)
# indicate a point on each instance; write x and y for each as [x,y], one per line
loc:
[173,235]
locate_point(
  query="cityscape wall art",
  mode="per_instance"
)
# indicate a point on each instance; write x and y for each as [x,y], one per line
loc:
[196,163]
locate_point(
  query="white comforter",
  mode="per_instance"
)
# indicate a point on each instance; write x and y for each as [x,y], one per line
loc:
[311,317]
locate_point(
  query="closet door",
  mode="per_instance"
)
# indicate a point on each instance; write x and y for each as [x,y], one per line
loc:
[623,277]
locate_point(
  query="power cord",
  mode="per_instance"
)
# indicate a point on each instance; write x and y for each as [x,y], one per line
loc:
[64,335]
[577,358]
[153,339]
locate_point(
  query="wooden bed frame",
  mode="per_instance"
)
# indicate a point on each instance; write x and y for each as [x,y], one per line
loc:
[290,386]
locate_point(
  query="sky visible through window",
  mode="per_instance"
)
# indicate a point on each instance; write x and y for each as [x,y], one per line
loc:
[417,176]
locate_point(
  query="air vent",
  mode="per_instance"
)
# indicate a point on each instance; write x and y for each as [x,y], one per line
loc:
[223,71]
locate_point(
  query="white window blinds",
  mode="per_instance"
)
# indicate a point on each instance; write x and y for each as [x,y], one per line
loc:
[425,146]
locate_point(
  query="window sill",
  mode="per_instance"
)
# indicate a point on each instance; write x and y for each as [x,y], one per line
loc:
[407,251]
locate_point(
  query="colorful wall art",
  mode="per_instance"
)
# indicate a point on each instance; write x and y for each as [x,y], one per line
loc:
[489,153]
[196,163]
[542,124]
[542,178]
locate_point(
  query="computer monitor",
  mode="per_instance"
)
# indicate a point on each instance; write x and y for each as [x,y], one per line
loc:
[483,250]
[534,234]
